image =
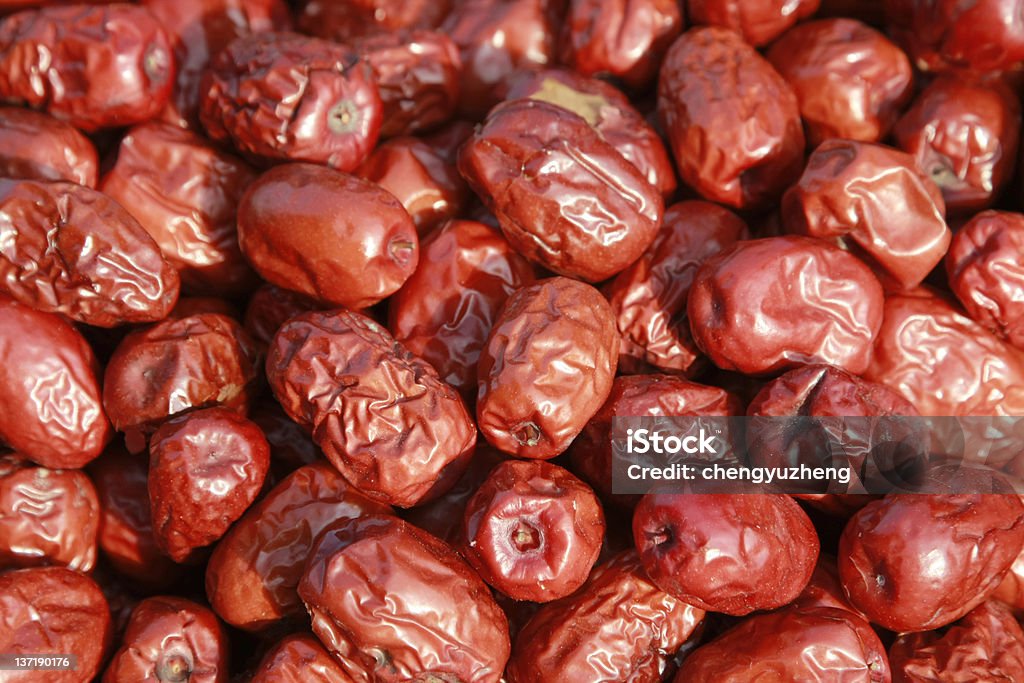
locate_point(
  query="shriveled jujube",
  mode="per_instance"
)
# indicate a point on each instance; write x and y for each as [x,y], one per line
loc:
[74,251]
[547,367]
[380,414]
[94,67]
[732,121]
[285,96]
[564,197]
[422,612]
[38,146]
[810,301]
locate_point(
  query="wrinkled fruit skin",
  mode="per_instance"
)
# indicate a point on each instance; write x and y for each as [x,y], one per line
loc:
[963,135]
[943,362]
[623,39]
[185,192]
[171,640]
[55,233]
[53,413]
[205,469]
[533,530]
[618,627]
[53,611]
[850,80]
[37,146]
[817,645]
[610,113]
[286,96]
[254,569]
[364,240]
[941,35]
[94,67]
[986,645]
[299,658]
[199,29]
[547,367]
[758,22]
[649,297]
[815,302]
[421,610]
[381,415]
[986,272]
[915,563]
[852,190]
[47,517]
[734,554]
[732,121]
[345,20]
[564,197]
[446,309]
[417,77]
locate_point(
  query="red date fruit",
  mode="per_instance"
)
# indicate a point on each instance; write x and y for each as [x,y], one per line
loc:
[819,645]
[547,367]
[984,35]
[417,76]
[299,658]
[1011,590]
[53,611]
[497,38]
[759,22]
[564,197]
[943,362]
[74,251]
[732,121]
[809,301]
[205,469]
[610,113]
[649,297]
[47,517]
[171,640]
[825,589]
[851,81]
[853,190]
[269,308]
[52,411]
[286,96]
[986,272]
[447,307]
[618,627]
[126,524]
[184,192]
[422,613]
[648,395]
[986,645]
[381,414]
[94,67]
[419,176]
[345,20]
[198,30]
[913,563]
[178,365]
[533,530]
[254,569]
[726,553]
[326,234]
[964,136]
[36,146]
[625,40]
[823,390]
